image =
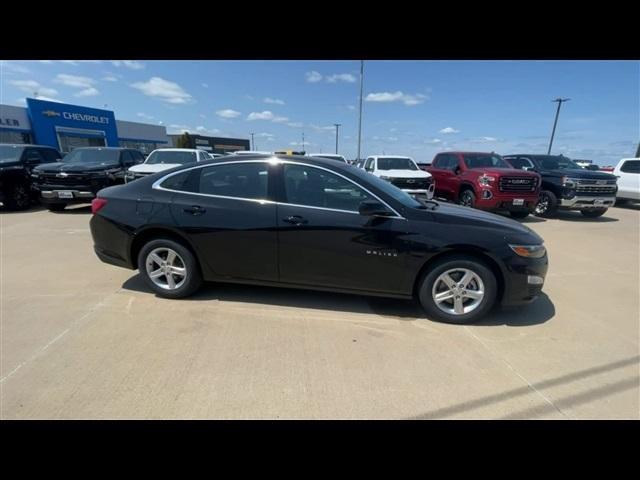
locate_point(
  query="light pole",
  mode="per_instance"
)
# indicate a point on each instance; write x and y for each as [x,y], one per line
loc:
[253,145]
[360,117]
[555,122]
[303,140]
[337,128]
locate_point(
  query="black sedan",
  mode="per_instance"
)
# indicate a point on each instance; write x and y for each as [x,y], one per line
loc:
[312,223]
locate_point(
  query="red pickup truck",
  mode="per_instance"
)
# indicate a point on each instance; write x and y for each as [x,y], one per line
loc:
[484,181]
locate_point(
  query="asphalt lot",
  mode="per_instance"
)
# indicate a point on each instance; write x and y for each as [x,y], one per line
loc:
[85,340]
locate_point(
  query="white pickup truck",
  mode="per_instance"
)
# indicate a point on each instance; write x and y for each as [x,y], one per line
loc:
[403,172]
[164,159]
[628,172]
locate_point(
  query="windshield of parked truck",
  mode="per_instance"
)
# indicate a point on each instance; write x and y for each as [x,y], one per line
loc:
[396,164]
[9,153]
[92,155]
[551,162]
[170,156]
[387,187]
[483,160]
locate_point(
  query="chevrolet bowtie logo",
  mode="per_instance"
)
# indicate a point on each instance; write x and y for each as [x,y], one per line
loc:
[62,175]
[50,113]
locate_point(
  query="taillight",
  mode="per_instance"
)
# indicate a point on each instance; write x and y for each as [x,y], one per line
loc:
[97,204]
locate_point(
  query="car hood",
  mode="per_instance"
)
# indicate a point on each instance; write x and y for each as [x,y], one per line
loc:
[508,228]
[76,167]
[580,173]
[153,167]
[402,173]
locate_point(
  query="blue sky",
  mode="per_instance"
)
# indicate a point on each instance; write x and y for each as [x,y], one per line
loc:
[414,108]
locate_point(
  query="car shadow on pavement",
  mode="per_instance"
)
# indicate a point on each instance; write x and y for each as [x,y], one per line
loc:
[538,312]
[628,206]
[576,216]
[34,208]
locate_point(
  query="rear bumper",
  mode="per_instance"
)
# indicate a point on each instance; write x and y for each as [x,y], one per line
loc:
[111,243]
[582,202]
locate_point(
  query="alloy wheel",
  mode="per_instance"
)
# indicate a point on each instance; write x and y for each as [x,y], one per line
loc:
[166,268]
[543,204]
[466,200]
[458,291]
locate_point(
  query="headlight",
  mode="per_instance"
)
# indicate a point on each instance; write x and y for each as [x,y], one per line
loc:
[529,251]
[567,182]
[486,180]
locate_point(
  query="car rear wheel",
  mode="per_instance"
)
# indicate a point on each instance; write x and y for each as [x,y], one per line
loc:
[18,197]
[547,204]
[459,289]
[468,198]
[169,268]
[593,212]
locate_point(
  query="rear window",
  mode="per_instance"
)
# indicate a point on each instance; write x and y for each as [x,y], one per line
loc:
[631,166]
[168,156]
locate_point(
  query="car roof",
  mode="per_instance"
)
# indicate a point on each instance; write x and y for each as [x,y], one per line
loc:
[389,156]
[317,161]
[102,148]
[462,152]
[181,150]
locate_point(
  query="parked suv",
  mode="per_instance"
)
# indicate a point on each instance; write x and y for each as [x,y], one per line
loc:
[628,173]
[164,159]
[401,172]
[82,173]
[484,181]
[16,163]
[566,185]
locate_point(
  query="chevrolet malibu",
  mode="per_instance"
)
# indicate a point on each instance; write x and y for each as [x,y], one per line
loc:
[313,223]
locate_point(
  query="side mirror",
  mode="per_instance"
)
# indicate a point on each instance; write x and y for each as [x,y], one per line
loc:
[457,170]
[371,208]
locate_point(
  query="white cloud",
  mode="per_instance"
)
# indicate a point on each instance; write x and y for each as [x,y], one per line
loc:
[128,63]
[145,116]
[70,62]
[265,135]
[88,92]
[351,107]
[165,90]
[267,115]
[398,96]
[23,101]
[228,113]
[13,67]
[300,144]
[74,81]
[392,139]
[295,124]
[205,85]
[433,141]
[488,139]
[110,78]
[46,61]
[447,130]
[313,76]
[178,128]
[205,131]
[274,101]
[202,116]
[341,77]
[32,87]
[326,128]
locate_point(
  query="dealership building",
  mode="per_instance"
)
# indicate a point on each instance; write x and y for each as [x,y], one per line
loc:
[66,127]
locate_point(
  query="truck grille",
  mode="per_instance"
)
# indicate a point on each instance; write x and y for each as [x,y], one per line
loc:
[595,186]
[69,179]
[412,183]
[518,184]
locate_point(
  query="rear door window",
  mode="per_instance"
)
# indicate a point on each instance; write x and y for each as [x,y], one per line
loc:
[245,180]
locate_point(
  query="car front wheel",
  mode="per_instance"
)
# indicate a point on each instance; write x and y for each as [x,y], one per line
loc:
[547,204]
[169,268]
[18,197]
[468,198]
[458,289]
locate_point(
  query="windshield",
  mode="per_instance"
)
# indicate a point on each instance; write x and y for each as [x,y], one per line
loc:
[9,153]
[551,162]
[168,156]
[92,155]
[483,160]
[403,197]
[396,164]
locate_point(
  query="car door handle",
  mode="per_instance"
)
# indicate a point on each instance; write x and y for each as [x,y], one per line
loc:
[295,220]
[195,210]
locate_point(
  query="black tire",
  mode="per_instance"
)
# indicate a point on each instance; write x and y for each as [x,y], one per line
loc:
[519,214]
[593,212]
[17,197]
[56,207]
[547,205]
[467,198]
[426,284]
[193,279]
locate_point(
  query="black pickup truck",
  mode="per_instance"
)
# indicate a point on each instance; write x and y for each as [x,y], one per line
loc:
[16,164]
[81,174]
[566,185]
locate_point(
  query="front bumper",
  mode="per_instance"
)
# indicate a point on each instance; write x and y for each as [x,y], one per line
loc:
[500,201]
[524,280]
[78,196]
[581,202]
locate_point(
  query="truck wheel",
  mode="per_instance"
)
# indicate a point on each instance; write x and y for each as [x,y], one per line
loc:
[56,207]
[169,268]
[593,212]
[458,289]
[467,198]
[547,204]
[17,197]
[519,214]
